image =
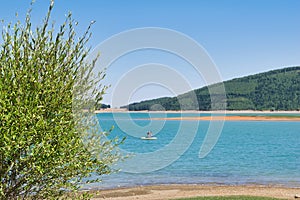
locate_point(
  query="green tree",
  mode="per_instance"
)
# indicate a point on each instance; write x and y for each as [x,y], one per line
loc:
[48,146]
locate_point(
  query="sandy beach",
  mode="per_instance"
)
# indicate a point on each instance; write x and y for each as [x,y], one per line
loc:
[286,115]
[116,110]
[163,192]
[234,118]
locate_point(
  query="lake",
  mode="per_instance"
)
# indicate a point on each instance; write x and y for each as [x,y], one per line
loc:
[247,152]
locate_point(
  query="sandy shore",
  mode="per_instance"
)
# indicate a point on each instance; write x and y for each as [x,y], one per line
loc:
[162,192]
[108,110]
[234,118]
[286,115]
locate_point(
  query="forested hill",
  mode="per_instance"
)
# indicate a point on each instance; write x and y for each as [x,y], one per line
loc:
[272,90]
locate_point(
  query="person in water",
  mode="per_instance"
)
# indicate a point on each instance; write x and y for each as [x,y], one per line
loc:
[149,134]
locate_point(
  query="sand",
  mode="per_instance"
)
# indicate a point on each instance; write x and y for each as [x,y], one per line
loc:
[234,118]
[162,192]
[286,115]
[123,110]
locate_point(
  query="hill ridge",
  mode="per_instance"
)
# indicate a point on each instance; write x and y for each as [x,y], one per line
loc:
[272,90]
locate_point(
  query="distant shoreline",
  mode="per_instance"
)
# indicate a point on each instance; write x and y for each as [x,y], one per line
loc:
[233,118]
[220,115]
[197,111]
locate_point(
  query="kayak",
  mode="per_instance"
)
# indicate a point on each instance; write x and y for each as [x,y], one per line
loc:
[148,138]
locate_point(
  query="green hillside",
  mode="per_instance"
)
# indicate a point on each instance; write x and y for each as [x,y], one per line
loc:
[273,90]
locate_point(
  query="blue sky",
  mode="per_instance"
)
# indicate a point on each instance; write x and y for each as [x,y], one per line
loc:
[242,37]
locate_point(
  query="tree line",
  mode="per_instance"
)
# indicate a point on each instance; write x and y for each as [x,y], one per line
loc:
[272,90]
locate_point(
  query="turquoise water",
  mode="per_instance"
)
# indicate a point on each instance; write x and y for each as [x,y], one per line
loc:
[247,152]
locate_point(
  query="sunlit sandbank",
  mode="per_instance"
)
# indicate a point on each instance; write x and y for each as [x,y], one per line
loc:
[238,115]
[235,118]
[197,111]
[159,192]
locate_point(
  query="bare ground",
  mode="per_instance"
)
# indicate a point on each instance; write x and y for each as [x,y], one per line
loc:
[162,192]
